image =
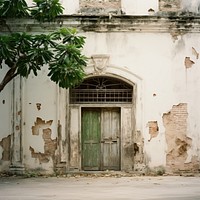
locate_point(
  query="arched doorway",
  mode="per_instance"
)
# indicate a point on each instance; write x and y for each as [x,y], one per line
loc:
[104,104]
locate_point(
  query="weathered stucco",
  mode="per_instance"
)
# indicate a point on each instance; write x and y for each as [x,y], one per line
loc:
[156,52]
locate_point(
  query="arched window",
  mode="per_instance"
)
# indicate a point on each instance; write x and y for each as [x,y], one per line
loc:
[102,90]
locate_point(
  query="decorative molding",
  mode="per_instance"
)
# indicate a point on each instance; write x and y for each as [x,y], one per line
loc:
[100,62]
[161,23]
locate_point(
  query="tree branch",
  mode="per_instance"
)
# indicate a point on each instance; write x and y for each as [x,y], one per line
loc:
[3,23]
[8,77]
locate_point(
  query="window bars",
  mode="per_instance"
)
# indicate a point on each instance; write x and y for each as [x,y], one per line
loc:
[100,90]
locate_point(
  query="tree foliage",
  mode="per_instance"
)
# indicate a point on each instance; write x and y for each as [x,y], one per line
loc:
[27,53]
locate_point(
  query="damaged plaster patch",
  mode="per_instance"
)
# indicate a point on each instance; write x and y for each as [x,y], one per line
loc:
[50,147]
[153,129]
[195,53]
[40,124]
[178,143]
[38,105]
[188,62]
[5,144]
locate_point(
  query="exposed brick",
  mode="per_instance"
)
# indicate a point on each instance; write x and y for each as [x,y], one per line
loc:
[178,142]
[100,6]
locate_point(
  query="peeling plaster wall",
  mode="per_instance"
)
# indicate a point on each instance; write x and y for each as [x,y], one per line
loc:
[5,121]
[5,107]
[163,79]
[166,81]
[40,116]
[160,60]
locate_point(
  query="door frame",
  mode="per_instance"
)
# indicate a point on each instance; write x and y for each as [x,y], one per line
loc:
[127,130]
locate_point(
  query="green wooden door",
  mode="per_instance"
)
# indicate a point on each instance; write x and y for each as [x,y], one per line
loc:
[91,130]
[100,138]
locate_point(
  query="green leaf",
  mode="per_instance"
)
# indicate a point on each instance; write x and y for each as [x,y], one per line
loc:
[46,10]
[29,53]
[13,8]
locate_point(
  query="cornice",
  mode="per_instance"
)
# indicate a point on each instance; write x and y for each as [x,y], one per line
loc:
[111,23]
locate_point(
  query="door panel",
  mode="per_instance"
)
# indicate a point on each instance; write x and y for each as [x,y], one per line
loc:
[110,139]
[101,138]
[91,139]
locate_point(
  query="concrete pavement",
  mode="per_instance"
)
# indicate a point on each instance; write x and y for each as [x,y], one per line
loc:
[100,188]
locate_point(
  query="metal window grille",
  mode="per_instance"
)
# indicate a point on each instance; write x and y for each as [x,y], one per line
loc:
[102,90]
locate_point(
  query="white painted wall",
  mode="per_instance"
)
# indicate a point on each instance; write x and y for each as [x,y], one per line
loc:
[139,7]
[70,6]
[38,90]
[160,69]
[5,115]
[192,5]
[5,107]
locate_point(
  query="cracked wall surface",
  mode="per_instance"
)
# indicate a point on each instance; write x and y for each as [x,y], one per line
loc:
[178,143]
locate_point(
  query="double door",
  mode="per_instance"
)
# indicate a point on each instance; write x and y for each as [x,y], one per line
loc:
[100,137]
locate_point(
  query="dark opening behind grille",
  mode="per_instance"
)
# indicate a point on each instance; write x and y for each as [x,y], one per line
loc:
[102,90]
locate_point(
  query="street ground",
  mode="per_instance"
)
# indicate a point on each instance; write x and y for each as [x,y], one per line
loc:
[100,188]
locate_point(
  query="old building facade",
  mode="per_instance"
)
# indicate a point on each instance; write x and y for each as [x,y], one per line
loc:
[137,108]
